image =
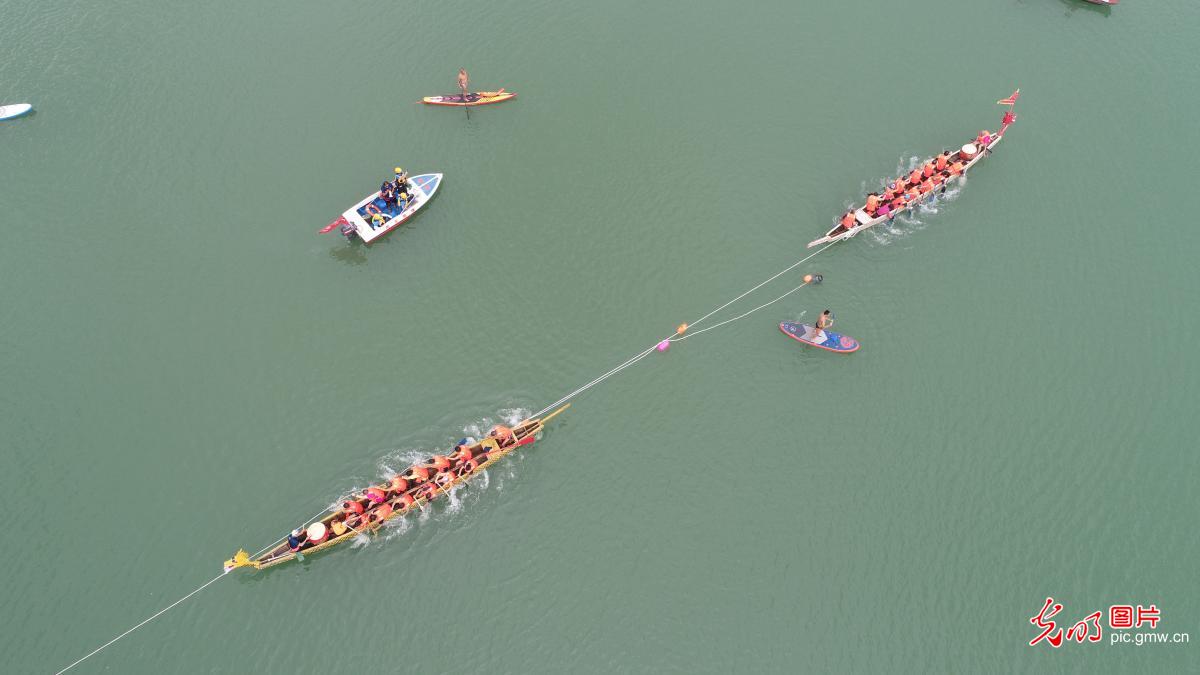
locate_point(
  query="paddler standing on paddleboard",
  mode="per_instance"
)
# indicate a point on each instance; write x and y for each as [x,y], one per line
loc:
[824,321]
[463,82]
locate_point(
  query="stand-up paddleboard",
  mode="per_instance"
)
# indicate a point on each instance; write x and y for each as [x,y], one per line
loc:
[7,112]
[828,340]
[472,99]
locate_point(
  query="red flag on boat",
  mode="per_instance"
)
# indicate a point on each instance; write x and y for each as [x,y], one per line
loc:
[1009,118]
[1011,100]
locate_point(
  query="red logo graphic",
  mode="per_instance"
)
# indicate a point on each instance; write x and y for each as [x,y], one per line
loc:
[1043,621]
[1149,615]
[1120,616]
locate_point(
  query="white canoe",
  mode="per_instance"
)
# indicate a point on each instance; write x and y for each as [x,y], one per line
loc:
[864,220]
[423,187]
[8,112]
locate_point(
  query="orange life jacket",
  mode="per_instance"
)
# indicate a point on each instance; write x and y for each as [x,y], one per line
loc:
[941,162]
[848,220]
[956,168]
[914,177]
[872,203]
[927,170]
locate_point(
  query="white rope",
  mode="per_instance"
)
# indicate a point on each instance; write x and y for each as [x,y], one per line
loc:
[155,616]
[646,352]
[628,363]
[787,269]
[740,316]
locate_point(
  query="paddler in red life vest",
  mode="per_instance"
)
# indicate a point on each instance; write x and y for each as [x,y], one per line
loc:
[502,434]
[942,160]
[914,178]
[927,170]
[872,204]
[438,463]
[416,475]
[847,221]
[956,169]
[984,139]
[462,452]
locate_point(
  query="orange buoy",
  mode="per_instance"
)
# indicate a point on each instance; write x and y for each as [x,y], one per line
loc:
[681,329]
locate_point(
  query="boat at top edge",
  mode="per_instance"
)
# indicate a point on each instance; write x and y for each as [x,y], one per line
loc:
[8,112]
[419,485]
[968,155]
[473,99]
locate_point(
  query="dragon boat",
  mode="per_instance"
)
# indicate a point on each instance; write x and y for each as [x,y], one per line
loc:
[367,512]
[968,156]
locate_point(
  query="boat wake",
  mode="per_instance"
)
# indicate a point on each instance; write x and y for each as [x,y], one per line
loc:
[885,234]
[460,497]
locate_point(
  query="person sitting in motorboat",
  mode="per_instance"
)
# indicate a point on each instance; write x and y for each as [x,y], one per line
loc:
[402,199]
[401,179]
[847,221]
[377,219]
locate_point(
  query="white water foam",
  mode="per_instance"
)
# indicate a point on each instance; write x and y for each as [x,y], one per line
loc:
[460,498]
[886,233]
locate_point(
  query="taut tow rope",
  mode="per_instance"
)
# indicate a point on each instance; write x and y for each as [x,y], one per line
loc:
[646,352]
[143,623]
[626,364]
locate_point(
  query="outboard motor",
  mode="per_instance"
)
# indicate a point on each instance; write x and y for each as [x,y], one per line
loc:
[348,231]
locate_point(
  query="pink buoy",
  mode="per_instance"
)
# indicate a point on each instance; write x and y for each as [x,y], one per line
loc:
[664,345]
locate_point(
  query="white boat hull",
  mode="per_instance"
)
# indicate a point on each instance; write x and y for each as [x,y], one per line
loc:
[423,188]
[7,112]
